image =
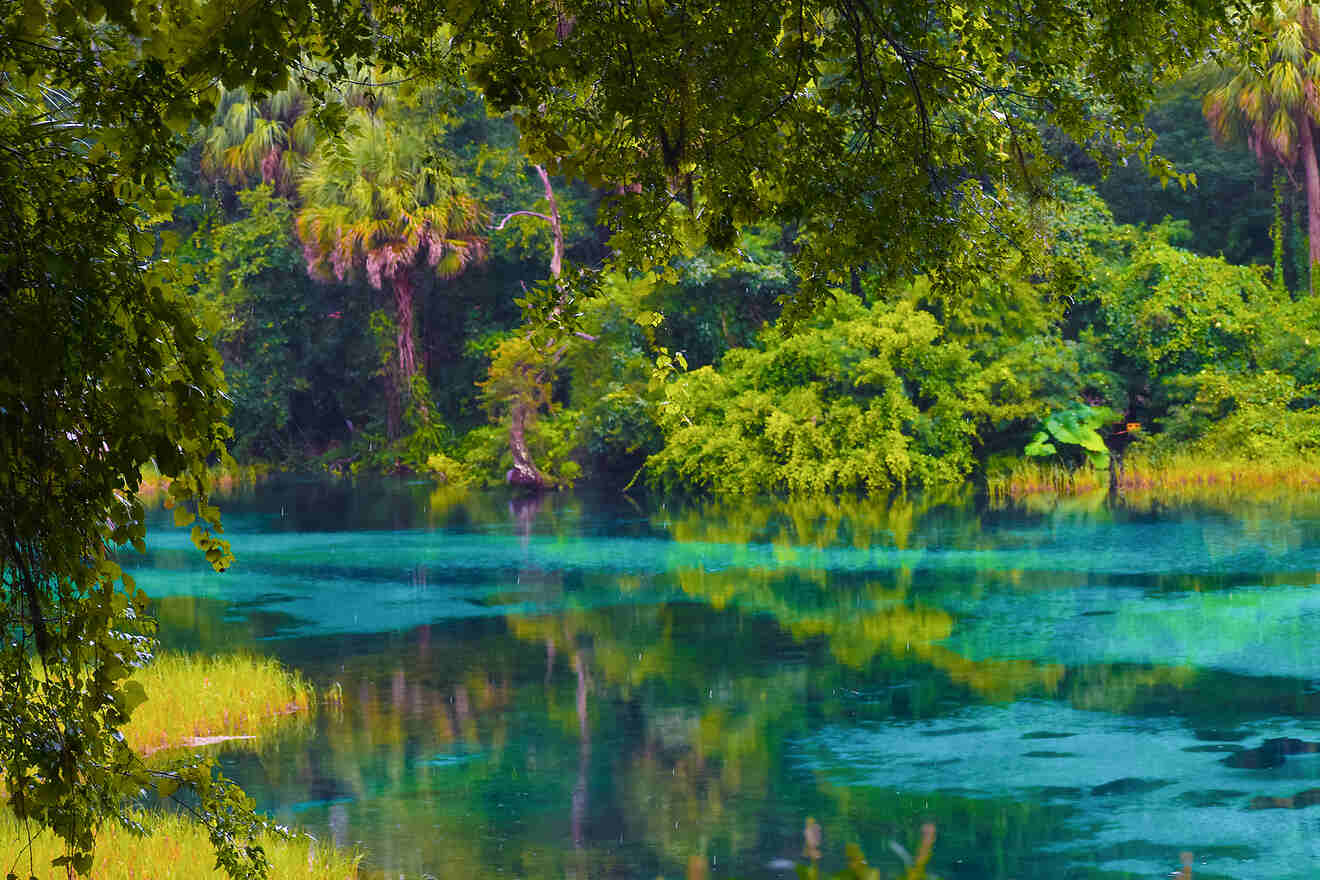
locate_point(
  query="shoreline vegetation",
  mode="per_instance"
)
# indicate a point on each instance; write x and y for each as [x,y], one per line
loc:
[236,699]
[176,849]
[1171,479]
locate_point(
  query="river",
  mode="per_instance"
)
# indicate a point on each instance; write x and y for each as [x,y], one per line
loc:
[604,687]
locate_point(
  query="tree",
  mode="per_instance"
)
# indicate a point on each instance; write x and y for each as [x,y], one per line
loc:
[1270,97]
[260,142]
[377,200]
[105,369]
[877,130]
[522,369]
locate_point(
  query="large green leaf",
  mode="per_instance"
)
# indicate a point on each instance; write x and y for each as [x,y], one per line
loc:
[1040,446]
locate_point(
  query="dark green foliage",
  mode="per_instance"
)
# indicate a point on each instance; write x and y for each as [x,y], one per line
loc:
[1228,212]
[1154,310]
[298,364]
[873,130]
[105,368]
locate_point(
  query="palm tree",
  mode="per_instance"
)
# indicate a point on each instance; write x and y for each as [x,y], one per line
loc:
[264,141]
[378,200]
[1271,99]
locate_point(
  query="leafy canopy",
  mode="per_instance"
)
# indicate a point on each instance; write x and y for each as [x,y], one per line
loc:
[878,129]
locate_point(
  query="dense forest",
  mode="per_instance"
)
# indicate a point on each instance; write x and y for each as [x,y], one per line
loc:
[1142,315]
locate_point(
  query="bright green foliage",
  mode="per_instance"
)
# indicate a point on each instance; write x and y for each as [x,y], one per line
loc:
[867,400]
[1154,311]
[1075,427]
[1213,355]
[1167,311]
[551,438]
[520,376]
[1257,416]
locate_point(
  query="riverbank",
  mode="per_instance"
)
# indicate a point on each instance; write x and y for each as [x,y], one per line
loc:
[177,849]
[224,478]
[235,697]
[192,702]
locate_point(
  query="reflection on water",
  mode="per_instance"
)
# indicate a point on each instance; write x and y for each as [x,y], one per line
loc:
[592,688]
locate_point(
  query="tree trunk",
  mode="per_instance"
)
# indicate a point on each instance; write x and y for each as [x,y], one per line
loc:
[524,471]
[406,351]
[556,229]
[1307,145]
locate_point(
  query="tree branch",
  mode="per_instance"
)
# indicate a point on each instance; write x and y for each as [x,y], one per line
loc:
[508,217]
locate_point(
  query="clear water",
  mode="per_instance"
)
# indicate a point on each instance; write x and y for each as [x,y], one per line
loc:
[608,688]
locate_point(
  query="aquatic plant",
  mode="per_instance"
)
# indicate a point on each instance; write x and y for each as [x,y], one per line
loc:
[1075,428]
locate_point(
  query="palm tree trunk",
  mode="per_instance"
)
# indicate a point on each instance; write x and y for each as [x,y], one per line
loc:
[1307,144]
[403,337]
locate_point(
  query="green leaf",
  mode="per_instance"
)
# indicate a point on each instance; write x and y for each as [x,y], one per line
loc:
[166,786]
[1040,446]
[131,695]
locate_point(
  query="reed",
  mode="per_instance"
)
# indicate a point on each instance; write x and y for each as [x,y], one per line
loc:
[192,700]
[1184,477]
[177,849]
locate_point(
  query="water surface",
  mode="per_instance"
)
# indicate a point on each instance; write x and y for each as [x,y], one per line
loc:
[600,687]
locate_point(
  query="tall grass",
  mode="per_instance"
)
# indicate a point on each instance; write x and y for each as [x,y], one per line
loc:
[177,849]
[1168,478]
[191,698]
[190,701]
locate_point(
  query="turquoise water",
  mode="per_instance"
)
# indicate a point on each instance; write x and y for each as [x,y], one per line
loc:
[599,687]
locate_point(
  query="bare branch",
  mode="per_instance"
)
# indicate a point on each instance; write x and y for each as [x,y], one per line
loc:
[508,217]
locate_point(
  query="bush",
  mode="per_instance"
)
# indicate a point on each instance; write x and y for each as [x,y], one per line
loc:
[865,399]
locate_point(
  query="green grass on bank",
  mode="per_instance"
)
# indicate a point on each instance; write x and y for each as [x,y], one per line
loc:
[191,698]
[1171,479]
[177,849]
[191,701]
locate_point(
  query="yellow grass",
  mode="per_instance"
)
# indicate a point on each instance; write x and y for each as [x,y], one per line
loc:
[190,699]
[178,849]
[1170,478]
